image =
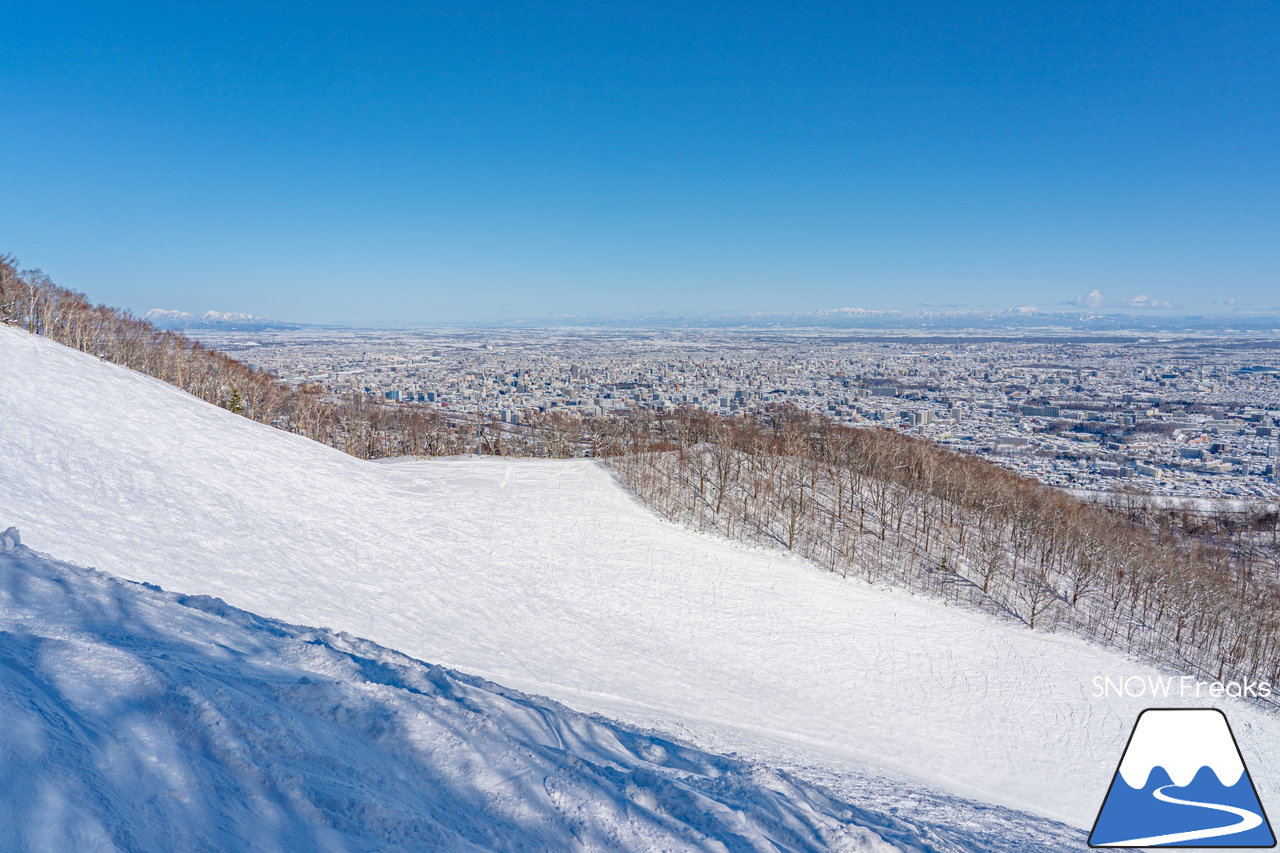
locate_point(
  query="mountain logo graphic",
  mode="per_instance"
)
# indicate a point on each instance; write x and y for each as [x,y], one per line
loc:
[1181,783]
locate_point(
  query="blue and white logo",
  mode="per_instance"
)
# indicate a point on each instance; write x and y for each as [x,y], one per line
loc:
[1182,783]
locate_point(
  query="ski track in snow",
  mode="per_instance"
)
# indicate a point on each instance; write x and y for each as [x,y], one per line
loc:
[546,576]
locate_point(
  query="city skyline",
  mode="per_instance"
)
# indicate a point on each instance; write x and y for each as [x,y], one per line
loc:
[1181,416]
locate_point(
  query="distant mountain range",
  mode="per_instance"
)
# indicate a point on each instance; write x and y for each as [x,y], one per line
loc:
[164,318]
[926,320]
[936,320]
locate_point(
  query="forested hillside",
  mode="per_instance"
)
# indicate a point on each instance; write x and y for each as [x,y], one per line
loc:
[889,508]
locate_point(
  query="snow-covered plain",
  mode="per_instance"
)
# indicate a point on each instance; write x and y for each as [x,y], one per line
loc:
[547,576]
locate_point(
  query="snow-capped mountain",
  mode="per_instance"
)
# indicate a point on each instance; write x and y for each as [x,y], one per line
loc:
[546,576]
[165,318]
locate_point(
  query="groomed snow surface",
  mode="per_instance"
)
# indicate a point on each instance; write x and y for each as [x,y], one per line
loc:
[546,576]
[138,719]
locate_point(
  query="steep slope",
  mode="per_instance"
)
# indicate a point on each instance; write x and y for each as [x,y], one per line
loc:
[546,576]
[143,720]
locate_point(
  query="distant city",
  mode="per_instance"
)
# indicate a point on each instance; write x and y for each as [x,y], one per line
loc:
[1188,415]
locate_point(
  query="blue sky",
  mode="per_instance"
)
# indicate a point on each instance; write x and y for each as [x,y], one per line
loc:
[420,162]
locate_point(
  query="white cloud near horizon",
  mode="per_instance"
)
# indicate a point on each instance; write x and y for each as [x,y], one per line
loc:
[1097,299]
[1092,299]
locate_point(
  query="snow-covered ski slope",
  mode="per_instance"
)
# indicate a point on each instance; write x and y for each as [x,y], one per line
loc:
[137,719]
[547,576]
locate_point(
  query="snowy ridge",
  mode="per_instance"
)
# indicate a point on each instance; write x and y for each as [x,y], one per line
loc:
[165,318]
[547,577]
[145,720]
[1182,742]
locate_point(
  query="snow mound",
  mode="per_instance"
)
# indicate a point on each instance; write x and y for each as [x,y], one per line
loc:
[138,719]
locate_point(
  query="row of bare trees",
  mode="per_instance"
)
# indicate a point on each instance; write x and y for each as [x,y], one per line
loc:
[869,503]
[357,425]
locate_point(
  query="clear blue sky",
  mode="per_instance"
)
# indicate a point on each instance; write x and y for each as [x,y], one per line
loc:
[415,161]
